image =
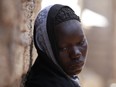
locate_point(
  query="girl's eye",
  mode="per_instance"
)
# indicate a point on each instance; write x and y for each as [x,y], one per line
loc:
[64,49]
[82,42]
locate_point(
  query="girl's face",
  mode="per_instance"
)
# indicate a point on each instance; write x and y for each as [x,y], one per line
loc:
[72,46]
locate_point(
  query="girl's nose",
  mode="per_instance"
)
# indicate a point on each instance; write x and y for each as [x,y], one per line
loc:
[75,52]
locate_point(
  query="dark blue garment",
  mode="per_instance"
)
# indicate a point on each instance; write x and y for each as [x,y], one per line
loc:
[45,73]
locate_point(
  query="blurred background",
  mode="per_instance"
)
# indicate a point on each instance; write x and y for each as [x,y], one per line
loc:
[17,52]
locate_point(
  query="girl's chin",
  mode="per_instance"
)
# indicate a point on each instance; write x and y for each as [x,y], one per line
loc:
[71,73]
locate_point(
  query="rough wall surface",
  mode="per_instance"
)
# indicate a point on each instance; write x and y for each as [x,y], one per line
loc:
[16,43]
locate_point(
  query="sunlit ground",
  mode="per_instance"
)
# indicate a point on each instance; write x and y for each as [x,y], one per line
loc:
[113,85]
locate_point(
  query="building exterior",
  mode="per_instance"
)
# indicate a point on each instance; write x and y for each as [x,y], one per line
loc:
[17,52]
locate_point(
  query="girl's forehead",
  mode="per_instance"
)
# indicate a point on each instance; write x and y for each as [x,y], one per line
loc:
[69,27]
[69,31]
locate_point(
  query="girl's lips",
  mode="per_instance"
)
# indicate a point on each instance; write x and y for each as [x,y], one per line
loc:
[77,65]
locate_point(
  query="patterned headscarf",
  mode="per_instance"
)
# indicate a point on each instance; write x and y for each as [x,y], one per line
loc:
[40,34]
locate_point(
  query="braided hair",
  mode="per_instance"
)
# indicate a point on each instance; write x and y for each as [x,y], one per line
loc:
[65,14]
